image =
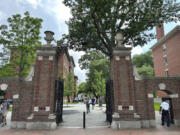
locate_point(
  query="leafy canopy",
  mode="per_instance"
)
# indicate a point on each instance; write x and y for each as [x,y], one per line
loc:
[69,84]
[20,38]
[144,64]
[94,23]
[88,57]
[143,59]
[96,83]
[98,67]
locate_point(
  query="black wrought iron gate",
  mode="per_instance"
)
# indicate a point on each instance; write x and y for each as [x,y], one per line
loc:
[109,100]
[59,91]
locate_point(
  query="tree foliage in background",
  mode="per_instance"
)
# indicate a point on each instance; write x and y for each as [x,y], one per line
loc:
[82,88]
[69,85]
[96,83]
[19,38]
[98,71]
[143,59]
[88,57]
[94,23]
[144,64]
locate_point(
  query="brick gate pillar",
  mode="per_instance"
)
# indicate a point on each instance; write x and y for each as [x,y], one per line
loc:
[125,115]
[45,74]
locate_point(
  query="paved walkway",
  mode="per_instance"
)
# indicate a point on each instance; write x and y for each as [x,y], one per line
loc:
[73,117]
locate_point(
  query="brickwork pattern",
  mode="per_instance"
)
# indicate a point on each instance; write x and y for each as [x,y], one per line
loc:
[172,54]
[145,105]
[22,105]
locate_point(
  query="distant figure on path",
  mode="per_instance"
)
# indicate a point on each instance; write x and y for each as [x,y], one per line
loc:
[87,105]
[93,102]
[165,112]
[100,102]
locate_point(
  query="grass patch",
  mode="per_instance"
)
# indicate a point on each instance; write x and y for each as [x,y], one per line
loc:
[156,106]
[10,109]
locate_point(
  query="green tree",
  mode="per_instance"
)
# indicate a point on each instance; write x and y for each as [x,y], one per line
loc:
[96,83]
[97,60]
[82,88]
[89,56]
[98,67]
[146,71]
[143,59]
[19,38]
[144,64]
[94,23]
[101,65]
[69,87]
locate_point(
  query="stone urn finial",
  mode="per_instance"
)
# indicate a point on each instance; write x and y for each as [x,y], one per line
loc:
[119,38]
[49,37]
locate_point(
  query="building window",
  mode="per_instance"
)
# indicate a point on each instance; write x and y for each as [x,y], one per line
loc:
[166,73]
[165,60]
[164,47]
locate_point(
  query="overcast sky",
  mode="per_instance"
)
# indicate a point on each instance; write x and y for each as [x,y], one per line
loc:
[54,15]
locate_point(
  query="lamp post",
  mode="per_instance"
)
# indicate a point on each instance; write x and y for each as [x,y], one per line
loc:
[119,38]
[49,37]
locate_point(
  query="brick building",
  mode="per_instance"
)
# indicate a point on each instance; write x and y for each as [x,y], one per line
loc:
[66,64]
[166,53]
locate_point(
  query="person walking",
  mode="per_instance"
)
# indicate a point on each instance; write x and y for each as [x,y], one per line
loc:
[4,109]
[164,107]
[93,103]
[87,105]
[100,102]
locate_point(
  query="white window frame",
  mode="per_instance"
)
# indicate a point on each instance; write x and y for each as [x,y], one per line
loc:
[164,47]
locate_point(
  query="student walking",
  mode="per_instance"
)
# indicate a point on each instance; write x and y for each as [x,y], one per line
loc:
[87,105]
[93,101]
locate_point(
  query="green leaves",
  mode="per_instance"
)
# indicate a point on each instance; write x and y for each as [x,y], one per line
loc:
[144,64]
[95,22]
[69,84]
[98,66]
[87,58]
[20,38]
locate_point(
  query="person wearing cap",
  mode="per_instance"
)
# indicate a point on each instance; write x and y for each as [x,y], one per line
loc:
[164,107]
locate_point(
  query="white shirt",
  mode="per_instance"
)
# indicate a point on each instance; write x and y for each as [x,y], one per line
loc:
[165,106]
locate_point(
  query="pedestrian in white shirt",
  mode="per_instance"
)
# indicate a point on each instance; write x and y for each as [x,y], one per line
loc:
[164,107]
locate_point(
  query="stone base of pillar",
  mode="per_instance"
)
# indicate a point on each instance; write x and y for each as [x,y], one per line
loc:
[148,123]
[135,124]
[177,122]
[33,125]
[125,125]
[18,124]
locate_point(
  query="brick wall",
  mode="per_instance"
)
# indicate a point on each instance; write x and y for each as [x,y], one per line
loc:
[22,105]
[145,104]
